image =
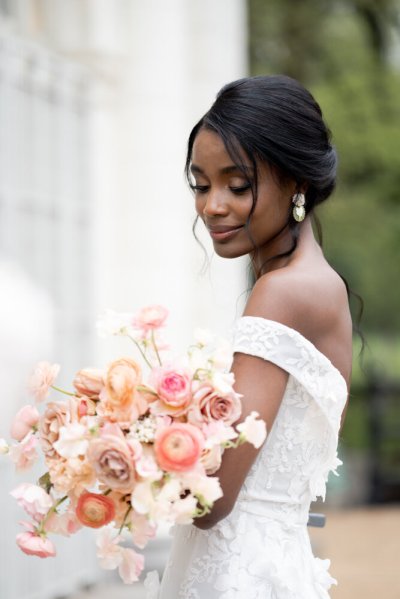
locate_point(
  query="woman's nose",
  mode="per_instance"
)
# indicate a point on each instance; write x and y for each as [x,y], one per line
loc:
[215,205]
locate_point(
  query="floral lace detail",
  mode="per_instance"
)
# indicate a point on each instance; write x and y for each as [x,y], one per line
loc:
[262,549]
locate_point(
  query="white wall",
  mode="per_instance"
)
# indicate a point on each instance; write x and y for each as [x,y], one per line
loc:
[151,69]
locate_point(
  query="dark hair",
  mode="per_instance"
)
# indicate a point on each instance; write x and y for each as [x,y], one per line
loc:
[274,119]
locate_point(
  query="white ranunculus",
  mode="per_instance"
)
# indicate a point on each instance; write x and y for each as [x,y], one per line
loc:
[203,336]
[222,356]
[114,323]
[223,382]
[254,431]
[72,441]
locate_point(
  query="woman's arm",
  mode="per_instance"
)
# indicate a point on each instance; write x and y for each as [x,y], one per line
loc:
[262,385]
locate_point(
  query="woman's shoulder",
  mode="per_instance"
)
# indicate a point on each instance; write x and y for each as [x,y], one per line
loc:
[309,298]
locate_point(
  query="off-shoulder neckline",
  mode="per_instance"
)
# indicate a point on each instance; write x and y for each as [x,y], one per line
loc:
[304,340]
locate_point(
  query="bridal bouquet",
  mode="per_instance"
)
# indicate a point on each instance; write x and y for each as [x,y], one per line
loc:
[125,450]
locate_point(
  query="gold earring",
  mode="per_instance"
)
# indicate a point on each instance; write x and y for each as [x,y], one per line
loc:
[299,211]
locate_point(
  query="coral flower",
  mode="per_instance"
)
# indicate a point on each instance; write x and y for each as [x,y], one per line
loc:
[178,447]
[95,510]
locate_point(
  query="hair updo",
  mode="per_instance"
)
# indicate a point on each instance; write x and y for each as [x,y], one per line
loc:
[276,120]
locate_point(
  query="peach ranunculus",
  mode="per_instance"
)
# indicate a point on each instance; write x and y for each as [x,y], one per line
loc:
[178,447]
[33,543]
[150,318]
[89,382]
[42,379]
[55,416]
[208,405]
[25,420]
[33,499]
[120,400]
[95,510]
[112,459]
[173,386]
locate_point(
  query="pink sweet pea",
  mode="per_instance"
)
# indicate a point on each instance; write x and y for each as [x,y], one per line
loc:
[33,499]
[42,379]
[25,420]
[33,543]
[24,455]
[178,447]
[150,318]
[129,563]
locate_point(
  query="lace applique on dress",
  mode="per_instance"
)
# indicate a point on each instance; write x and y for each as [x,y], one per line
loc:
[262,549]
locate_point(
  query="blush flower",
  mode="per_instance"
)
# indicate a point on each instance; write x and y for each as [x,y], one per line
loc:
[89,382]
[25,420]
[129,563]
[95,510]
[178,447]
[42,379]
[33,543]
[173,386]
[209,405]
[24,455]
[112,459]
[150,318]
[33,499]
[54,418]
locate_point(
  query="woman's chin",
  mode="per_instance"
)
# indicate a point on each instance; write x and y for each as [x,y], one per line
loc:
[228,251]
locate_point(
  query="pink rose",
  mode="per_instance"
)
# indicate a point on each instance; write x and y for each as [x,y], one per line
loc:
[173,386]
[33,499]
[178,447]
[32,543]
[25,420]
[150,318]
[89,382]
[112,459]
[208,405]
[42,379]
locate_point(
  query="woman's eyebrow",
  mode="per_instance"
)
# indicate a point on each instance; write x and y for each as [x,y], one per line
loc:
[226,170]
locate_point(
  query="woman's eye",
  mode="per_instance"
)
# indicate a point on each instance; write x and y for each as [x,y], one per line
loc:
[200,188]
[240,189]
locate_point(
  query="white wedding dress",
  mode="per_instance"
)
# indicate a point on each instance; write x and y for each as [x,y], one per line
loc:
[261,550]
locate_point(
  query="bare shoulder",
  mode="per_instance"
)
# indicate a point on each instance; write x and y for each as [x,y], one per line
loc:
[311,299]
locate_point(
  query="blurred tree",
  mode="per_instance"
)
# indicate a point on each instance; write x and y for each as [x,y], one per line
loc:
[345,52]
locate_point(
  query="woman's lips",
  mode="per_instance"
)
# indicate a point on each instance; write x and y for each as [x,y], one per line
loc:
[222,233]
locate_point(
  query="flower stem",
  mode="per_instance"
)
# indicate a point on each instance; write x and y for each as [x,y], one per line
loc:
[51,511]
[124,520]
[155,347]
[62,391]
[141,351]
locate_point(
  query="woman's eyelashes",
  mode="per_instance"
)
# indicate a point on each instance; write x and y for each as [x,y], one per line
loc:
[237,189]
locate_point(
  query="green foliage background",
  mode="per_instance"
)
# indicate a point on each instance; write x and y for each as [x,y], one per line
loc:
[347,53]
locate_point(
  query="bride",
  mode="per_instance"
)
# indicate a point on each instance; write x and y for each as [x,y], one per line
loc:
[259,162]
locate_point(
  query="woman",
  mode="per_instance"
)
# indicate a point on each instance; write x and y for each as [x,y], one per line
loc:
[259,162]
